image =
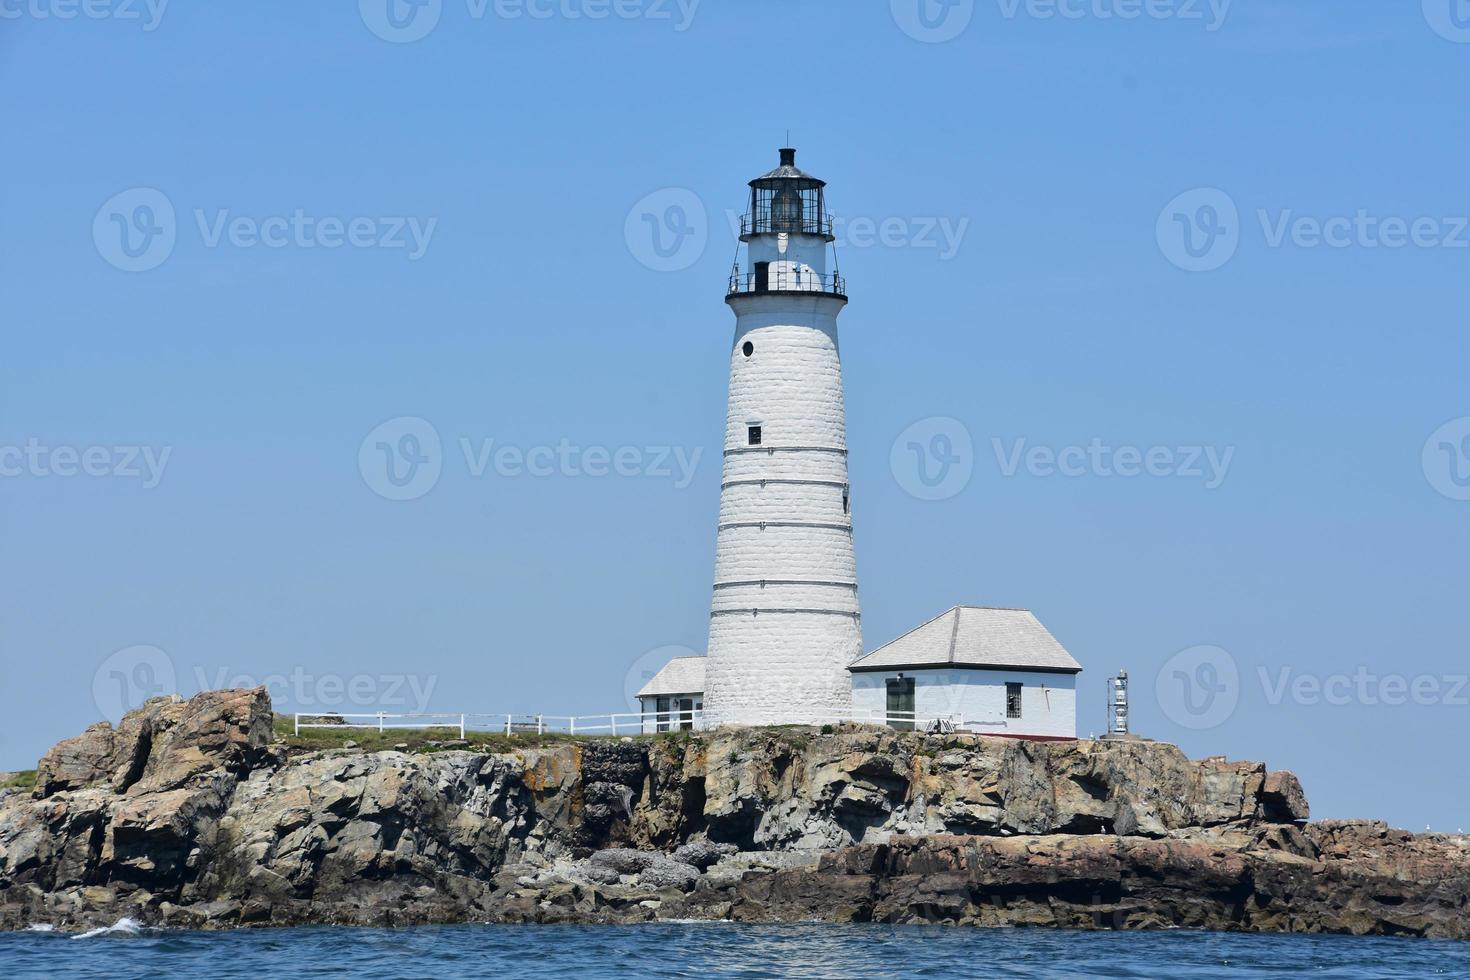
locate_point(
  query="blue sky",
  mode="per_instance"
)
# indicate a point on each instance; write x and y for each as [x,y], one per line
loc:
[452,229]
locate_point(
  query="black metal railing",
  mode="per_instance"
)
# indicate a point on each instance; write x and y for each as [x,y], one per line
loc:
[766,222]
[786,280]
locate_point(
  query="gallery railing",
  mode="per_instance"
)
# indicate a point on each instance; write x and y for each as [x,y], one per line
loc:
[786,280]
[771,222]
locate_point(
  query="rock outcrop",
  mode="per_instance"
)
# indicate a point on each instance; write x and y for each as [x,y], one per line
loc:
[187,814]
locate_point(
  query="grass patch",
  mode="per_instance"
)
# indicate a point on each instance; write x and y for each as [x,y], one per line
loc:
[417,740]
[25,779]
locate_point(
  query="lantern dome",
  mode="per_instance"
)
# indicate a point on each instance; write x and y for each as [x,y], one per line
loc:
[787,201]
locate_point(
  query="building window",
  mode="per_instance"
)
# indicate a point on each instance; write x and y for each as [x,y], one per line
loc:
[661,723]
[748,349]
[846,493]
[899,705]
[754,433]
[1013,700]
[685,708]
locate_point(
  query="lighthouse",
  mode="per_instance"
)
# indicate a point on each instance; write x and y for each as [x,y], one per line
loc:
[784,623]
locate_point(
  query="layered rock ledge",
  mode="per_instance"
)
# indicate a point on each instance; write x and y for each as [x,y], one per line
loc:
[190,814]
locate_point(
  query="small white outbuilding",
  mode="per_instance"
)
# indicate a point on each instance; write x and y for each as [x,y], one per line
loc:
[993,671]
[673,697]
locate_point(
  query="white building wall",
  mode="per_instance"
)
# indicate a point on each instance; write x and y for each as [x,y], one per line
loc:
[797,261]
[654,721]
[978,697]
[806,251]
[784,623]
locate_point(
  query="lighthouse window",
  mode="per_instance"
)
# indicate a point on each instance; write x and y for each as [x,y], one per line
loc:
[748,349]
[1013,700]
[754,433]
[846,493]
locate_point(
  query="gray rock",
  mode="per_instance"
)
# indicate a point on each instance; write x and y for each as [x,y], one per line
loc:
[702,853]
[625,861]
[666,873]
[1283,800]
[77,762]
[597,874]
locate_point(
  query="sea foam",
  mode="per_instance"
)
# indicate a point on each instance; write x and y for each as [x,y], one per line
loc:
[124,927]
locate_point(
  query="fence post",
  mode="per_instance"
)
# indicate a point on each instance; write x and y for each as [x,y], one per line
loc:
[614,723]
[507,724]
[298,723]
[461,728]
[540,724]
[572,725]
[380,723]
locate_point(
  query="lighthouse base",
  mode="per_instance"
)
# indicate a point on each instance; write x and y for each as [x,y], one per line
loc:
[776,667]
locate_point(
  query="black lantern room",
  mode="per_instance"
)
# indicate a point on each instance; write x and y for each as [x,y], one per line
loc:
[787,201]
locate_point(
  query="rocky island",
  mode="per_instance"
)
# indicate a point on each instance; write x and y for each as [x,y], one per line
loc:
[199,813]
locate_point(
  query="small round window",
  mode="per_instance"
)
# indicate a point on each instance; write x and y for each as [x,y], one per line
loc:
[748,349]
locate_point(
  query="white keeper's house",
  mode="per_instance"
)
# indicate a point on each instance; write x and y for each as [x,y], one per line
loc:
[995,671]
[785,633]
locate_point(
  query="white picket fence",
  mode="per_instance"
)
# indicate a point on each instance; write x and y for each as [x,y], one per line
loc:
[622,723]
[625,723]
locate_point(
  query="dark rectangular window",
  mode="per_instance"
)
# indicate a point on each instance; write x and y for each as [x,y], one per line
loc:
[900,703]
[755,435]
[662,707]
[1013,700]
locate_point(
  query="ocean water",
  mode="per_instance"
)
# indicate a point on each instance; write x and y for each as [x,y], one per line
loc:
[718,950]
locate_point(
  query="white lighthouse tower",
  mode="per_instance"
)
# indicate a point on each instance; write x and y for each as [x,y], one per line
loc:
[784,625]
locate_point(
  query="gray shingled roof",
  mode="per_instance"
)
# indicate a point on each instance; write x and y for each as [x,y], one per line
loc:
[682,675]
[974,636]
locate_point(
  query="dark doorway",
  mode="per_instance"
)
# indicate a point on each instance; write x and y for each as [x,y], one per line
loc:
[901,703]
[762,277]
